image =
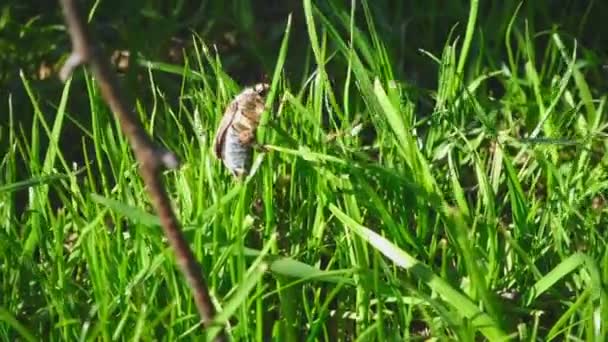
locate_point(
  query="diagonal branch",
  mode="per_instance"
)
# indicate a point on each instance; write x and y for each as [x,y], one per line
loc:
[152,159]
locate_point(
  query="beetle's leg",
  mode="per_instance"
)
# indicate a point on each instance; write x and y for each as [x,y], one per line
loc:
[246,137]
[260,147]
[239,173]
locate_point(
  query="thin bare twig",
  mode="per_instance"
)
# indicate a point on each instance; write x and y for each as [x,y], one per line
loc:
[152,159]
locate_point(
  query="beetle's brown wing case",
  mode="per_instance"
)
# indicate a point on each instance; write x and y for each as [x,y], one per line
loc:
[218,142]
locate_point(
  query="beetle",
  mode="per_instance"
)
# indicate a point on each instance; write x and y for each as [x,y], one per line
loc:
[235,135]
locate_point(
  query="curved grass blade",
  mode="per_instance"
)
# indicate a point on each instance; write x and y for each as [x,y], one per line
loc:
[8,318]
[460,302]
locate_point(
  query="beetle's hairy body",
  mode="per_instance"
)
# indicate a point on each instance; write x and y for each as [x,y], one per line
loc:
[236,132]
[237,157]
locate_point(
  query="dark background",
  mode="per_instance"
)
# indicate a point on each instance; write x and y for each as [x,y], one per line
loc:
[247,35]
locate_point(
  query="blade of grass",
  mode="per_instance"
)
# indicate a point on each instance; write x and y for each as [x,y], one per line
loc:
[460,302]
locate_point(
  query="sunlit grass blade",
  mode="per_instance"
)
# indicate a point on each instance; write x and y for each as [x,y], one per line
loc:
[133,213]
[560,271]
[32,182]
[404,260]
[406,142]
[239,298]
[278,70]
[23,331]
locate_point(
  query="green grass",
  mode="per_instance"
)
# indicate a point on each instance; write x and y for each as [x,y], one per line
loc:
[370,217]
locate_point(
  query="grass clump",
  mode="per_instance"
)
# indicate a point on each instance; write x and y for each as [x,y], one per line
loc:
[381,210]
